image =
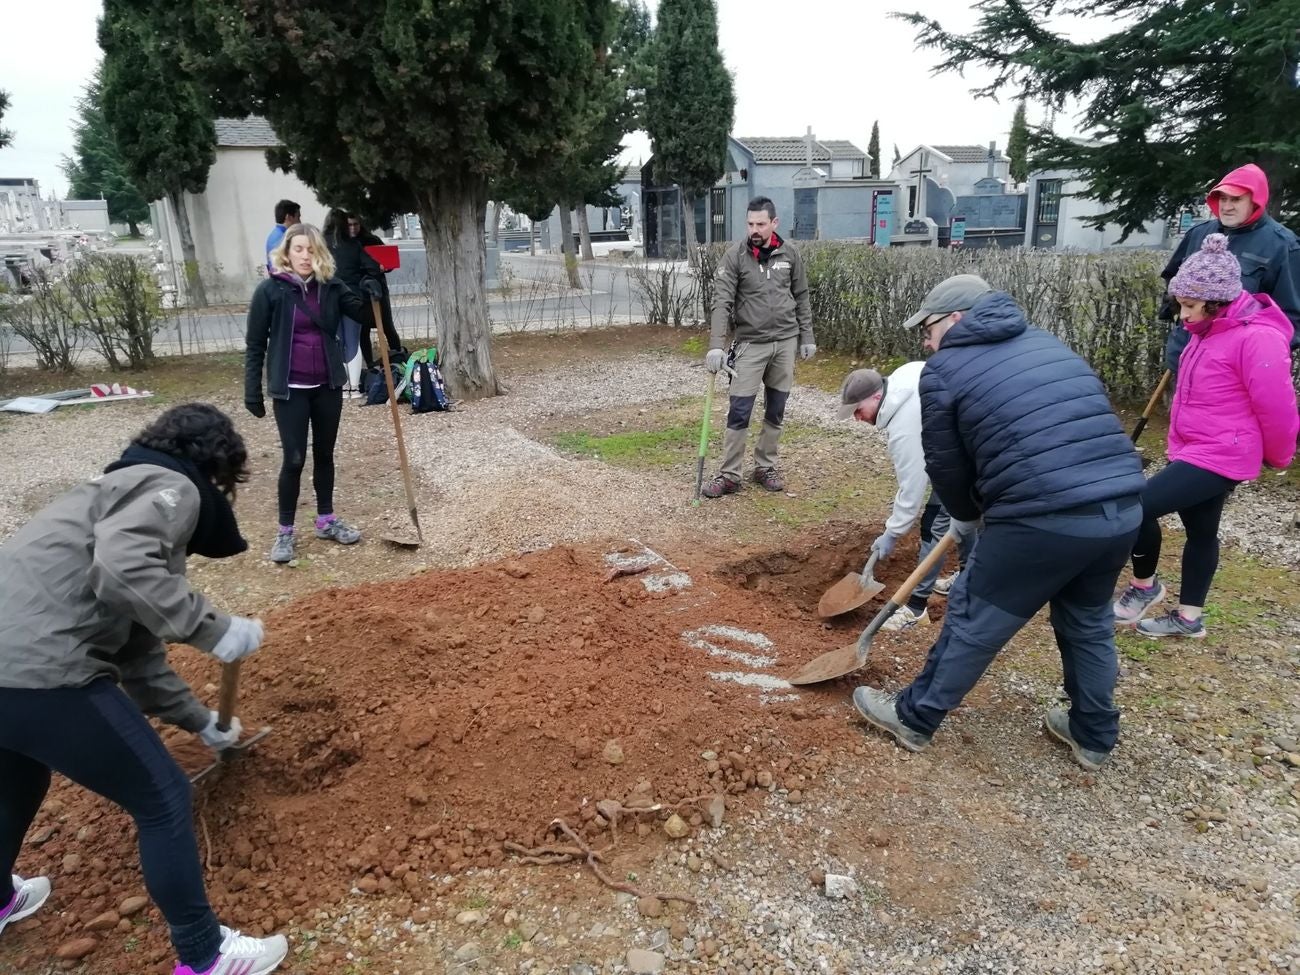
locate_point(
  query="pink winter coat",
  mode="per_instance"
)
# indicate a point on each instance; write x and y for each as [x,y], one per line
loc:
[1234,405]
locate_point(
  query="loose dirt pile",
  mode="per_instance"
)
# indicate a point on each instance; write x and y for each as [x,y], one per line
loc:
[423,727]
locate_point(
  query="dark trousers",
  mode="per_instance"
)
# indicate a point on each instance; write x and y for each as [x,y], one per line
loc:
[1198,496]
[98,738]
[386,320]
[934,525]
[1014,571]
[315,412]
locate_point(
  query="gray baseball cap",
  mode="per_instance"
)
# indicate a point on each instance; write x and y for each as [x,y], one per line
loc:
[858,385]
[958,293]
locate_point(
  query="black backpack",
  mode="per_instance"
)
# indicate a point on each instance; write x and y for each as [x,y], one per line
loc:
[375,387]
[428,392]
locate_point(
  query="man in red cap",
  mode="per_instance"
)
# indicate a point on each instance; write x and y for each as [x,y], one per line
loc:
[1268,252]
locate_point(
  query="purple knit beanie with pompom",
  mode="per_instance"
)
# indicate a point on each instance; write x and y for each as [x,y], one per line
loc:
[1211,274]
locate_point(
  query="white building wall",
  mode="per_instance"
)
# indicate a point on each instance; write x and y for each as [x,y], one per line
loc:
[231,219]
[1072,232]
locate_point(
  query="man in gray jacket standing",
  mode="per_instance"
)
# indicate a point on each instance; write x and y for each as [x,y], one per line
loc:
[762,288]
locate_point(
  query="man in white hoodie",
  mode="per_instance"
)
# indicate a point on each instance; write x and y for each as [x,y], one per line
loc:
[893,405]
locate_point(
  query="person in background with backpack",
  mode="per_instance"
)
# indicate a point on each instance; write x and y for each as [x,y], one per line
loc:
[295,337]
[1234,409]
[92,590]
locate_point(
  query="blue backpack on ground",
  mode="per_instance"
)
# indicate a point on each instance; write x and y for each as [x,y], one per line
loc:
[375,387]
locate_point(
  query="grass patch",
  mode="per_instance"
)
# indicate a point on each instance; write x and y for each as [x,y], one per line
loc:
[638,448]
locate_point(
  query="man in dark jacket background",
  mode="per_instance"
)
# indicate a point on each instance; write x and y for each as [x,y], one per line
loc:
[1268,252]
[1018,431]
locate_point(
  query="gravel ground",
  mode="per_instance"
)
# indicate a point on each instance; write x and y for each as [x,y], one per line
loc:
[990,853]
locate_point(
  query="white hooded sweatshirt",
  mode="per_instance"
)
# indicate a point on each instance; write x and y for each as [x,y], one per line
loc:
[900,419]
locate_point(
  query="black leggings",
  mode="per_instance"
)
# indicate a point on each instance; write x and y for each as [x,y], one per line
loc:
[368,323]
[1198,496]
[98,738]
[318,409]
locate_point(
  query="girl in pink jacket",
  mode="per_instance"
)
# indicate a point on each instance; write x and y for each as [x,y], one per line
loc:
[1234,410]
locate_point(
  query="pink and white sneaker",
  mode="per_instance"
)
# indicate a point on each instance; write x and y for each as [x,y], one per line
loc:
[243,956]
[29,895]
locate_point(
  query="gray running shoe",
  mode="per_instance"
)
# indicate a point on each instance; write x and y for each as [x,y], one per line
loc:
[943,585]
[339,531]
[1172,624]
[282,547]
[1057,723]
[881,710]
[1134,602]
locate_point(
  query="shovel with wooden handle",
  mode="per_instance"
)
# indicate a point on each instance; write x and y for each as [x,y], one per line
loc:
[846,660]
[854,590]
[397,429]
[1151,405]
[226,701]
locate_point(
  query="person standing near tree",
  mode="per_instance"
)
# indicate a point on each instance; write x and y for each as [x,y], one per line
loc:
[762,289]
[366,238]
[287,213]
[92,590]
[1269,253]
[893,404]
[295,337]
[1234,410]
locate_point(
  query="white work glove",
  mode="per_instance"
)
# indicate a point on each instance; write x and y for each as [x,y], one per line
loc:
[883,546]
[219,740]
[807,351]
[713,360]
[243,637]
[963,530]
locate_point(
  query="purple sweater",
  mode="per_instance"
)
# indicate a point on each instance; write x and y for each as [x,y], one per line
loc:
[307,363]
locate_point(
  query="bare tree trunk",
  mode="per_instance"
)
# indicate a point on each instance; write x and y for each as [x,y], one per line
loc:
[198,296]
[566,245]
[584,233]
[452,216]
[692,245]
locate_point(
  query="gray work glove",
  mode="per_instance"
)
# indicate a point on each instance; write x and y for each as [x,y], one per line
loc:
[243,637]
[883,546]
[217,739]
[807,351]
[713,360]
[963,530]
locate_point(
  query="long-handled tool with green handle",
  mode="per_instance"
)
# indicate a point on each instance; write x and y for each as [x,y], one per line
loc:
[704,437]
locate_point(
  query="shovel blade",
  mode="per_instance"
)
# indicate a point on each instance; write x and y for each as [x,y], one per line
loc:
[835,663]
[847,595]
[234,751]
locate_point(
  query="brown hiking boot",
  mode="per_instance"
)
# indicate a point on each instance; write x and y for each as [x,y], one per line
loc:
[769,478]
[719,486]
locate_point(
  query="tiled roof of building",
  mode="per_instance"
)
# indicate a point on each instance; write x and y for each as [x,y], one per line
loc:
[967,154]
[253,132]
[767,149]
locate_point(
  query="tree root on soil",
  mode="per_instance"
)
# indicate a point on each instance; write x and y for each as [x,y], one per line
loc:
[545,855]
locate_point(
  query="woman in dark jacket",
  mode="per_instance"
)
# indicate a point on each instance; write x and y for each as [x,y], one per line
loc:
[354,267]
[295,335]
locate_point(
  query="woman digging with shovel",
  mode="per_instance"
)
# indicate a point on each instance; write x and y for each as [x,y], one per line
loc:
[91,590]
[1234,410]
[295,336]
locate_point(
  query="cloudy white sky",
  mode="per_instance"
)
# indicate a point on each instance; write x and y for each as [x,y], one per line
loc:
[836,65]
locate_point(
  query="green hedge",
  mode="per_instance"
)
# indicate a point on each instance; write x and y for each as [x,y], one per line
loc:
[1101,305]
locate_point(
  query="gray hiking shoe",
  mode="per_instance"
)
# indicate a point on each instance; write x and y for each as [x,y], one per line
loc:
[768,478]
[881,710]
[1135,602]
[282,548]
[1057,723]
[337,530]
[1172,624]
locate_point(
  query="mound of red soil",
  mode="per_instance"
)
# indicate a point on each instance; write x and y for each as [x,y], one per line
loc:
[421,726]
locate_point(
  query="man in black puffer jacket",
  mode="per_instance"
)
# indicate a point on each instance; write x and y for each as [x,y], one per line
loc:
[1018,431]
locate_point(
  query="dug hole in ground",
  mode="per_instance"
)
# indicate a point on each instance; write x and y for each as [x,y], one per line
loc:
[577,645]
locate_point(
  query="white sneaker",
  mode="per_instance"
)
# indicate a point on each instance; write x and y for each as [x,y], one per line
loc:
[243,956]
[29,895]
[943,585]
[905,619]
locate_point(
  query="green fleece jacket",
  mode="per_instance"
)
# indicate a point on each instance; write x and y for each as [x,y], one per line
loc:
[765,301]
